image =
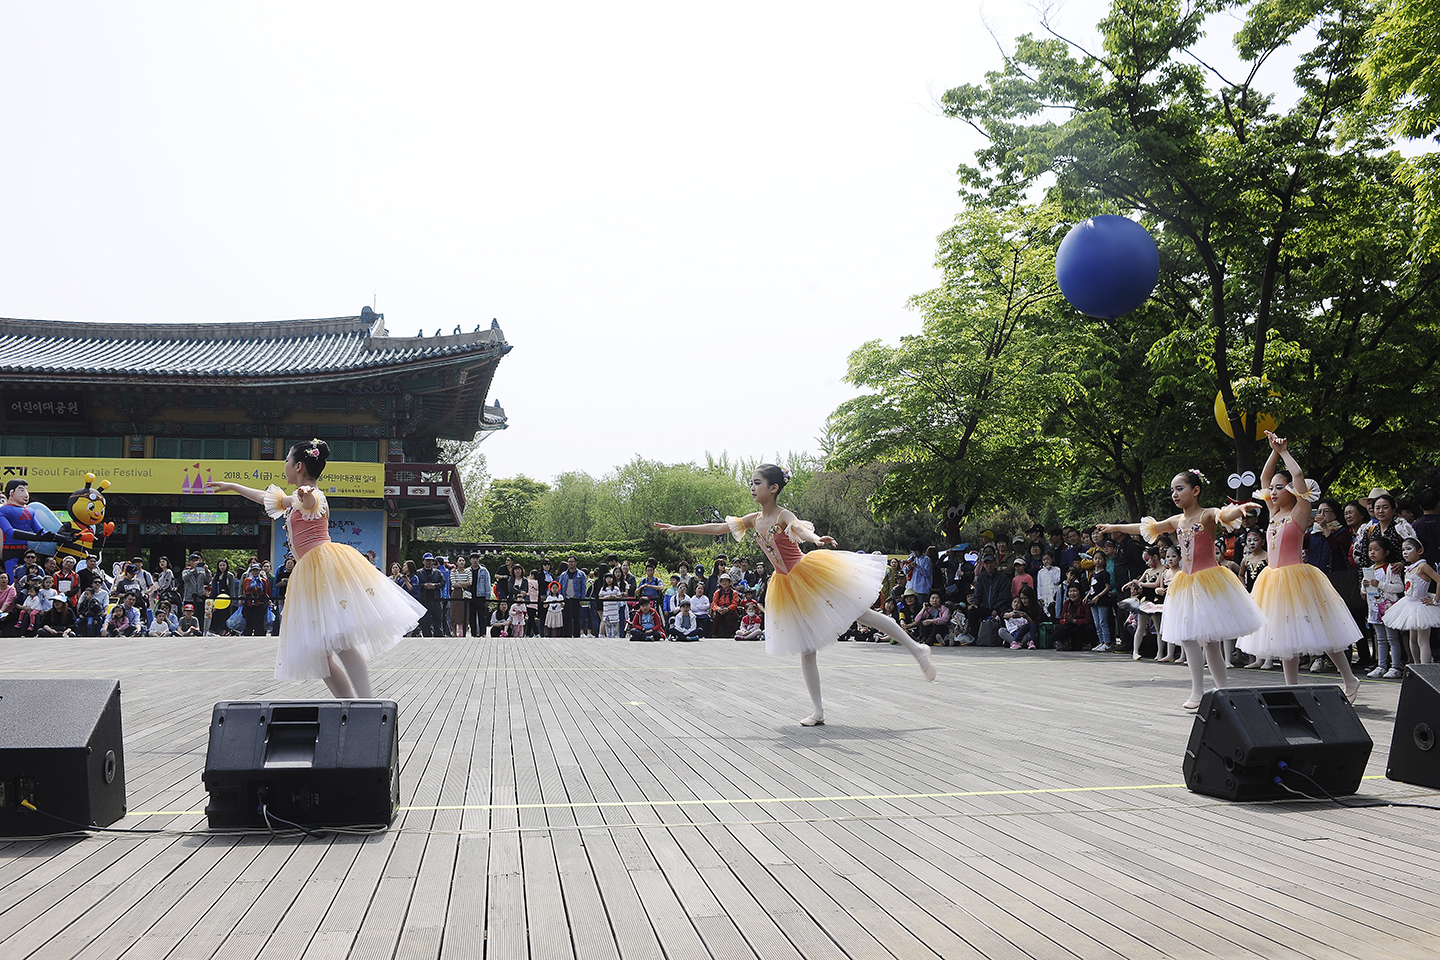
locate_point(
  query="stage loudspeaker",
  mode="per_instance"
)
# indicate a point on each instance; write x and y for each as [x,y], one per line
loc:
[1241,737]
[1414,755]
[61,752]
[312,762]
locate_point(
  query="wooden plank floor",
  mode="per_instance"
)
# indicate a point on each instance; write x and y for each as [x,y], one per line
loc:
[607,800]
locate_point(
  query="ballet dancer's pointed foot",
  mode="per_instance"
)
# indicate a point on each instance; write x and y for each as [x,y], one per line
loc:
[927,666]
[1191,704]
[813,721]
[1135,655]
[1351,692]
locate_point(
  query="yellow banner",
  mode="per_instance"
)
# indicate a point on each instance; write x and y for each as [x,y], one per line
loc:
[138,475]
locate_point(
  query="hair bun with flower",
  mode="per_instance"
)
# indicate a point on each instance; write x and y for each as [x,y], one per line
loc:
[1203,479]
[785,473]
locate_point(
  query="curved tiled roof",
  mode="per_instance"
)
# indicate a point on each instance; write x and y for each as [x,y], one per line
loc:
[230,351]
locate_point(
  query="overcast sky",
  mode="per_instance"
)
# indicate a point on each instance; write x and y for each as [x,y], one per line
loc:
[684,217]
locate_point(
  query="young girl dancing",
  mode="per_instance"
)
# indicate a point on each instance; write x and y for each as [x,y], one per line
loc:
[812,597]
[1204,605]
[1416,611]
[1303,613]
[340,612]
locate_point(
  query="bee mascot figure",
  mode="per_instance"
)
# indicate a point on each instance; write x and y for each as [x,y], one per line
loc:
[87,522]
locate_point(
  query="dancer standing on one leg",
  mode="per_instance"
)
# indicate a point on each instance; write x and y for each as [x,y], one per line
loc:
[1205,604]
[812,597]
[340,611]
[1303,613]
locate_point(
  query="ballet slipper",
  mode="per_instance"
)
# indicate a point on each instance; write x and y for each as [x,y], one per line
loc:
[927,666]
[1190,705]
[813,721]
[1352,693]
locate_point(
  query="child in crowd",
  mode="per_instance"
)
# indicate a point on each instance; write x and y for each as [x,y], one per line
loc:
[554,611]
[1384,582]
[189,623]
[1022,577]
[1100,598]
[700,606]
[611,594]
[1416,612]
[647,625]
[519,614]
[684,627]
[1047,583]
[1019,625]
[751,625]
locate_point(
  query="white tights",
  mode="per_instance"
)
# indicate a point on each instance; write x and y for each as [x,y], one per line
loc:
[810,667]
[349,676]
[1215,657]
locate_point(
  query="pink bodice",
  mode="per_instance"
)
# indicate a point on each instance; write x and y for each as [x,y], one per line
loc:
[305,535]
[1197,548]
[1282,542]
[783,552]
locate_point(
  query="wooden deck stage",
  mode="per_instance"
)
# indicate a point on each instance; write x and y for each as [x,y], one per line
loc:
[607,799]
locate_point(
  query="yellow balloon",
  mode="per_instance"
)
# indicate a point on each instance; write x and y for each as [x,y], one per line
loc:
[222,601]
[1262,423]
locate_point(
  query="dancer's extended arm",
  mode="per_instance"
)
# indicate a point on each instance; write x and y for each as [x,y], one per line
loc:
[715,529]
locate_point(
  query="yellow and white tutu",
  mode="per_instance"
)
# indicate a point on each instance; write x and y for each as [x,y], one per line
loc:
[1303,614]
[1208,606]
[824,592]
[336,601]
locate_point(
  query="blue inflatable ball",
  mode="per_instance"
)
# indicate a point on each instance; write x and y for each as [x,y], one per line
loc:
[1107,266]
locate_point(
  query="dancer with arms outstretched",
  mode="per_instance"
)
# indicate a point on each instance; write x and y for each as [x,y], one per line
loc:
[812,597]
[1205,604]
[340,611]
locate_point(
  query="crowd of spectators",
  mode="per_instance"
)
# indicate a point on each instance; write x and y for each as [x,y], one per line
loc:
[41,596]
[1070,588]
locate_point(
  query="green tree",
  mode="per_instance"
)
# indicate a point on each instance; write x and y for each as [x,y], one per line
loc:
[1287,236]
[571,510]
[511,503]
[954,411]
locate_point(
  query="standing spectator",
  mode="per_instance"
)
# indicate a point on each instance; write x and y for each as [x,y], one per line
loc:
[712,583]
[919,569]
[442,566]
[164,588]
[1384,583]
[282,586]
[255,600]
[480,590]
[222,584]
[610,595]
[650,585]
[431,582]
[572,591]
[195,582]
[554,611]
[461,579]
[724,609]
[992,594]
[1047,585]
[1021,577]
[1427,525]
[1101,600]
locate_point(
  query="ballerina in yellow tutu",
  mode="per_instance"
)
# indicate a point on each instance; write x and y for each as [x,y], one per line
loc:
[812,597]
[340,611]
[1303,613]
[1205,604]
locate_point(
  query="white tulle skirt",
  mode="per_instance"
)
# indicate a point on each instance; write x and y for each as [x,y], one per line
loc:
[1303,614]
[337,601]
[1407,613]
[809,607]
[1208,606]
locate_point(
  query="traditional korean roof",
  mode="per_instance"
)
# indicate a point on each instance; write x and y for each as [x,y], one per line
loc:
[238,354]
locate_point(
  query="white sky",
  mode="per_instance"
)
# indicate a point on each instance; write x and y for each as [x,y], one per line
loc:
[684,216]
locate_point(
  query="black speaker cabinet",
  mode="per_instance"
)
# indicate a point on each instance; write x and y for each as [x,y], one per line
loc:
[1241,737]
[1414,756]
[60,750]
[312,762]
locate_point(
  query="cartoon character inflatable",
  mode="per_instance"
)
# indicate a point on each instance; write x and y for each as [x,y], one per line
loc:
[19,526]
[87,522]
